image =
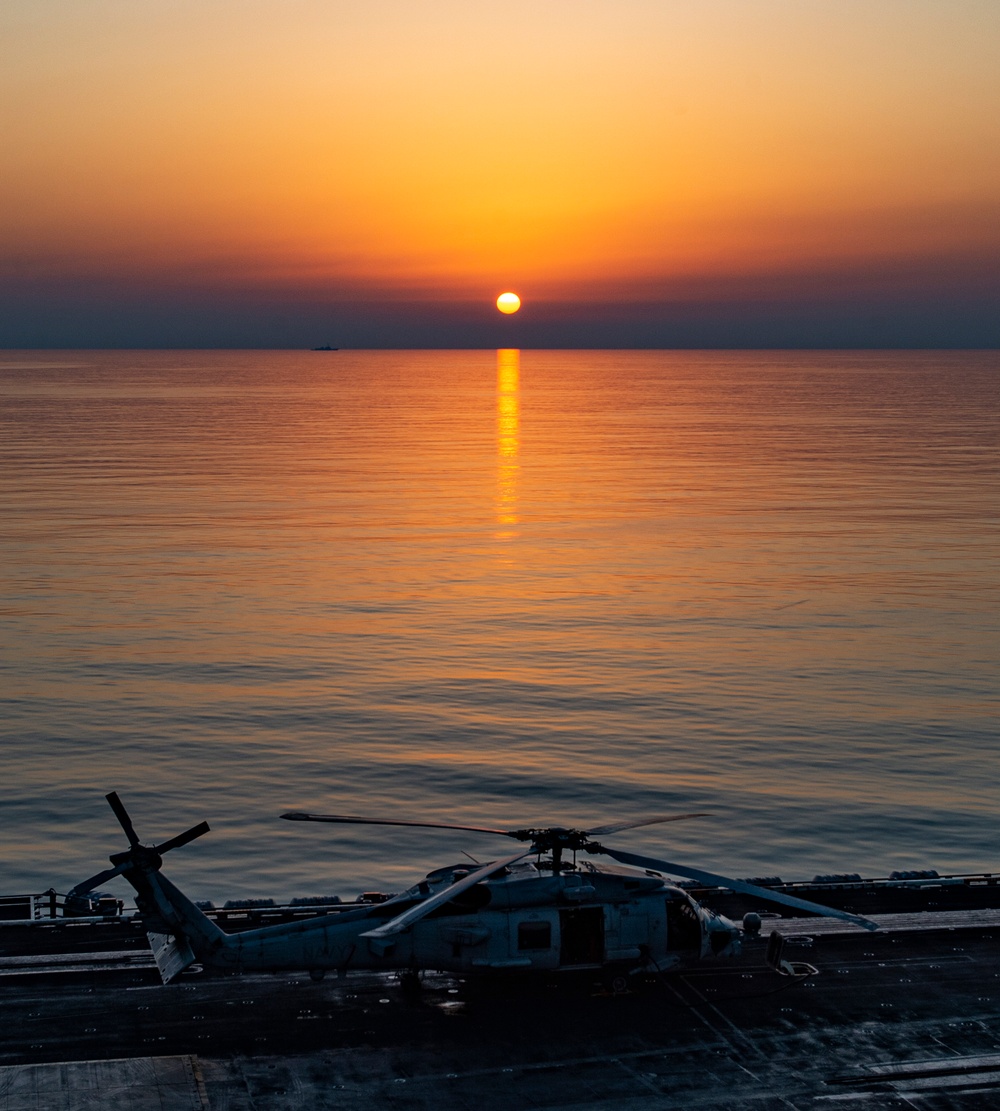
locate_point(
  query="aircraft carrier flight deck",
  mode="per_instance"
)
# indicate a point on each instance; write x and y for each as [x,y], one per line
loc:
[906,1017]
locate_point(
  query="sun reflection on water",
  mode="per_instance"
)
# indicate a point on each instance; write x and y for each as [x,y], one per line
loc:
[508,434]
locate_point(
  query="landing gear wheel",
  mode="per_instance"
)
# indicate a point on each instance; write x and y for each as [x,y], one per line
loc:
[409,982]
[616,983]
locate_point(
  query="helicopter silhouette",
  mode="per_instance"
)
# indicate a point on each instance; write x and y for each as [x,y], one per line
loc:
[512,915]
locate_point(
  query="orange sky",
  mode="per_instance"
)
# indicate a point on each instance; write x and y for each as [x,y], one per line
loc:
[574,151]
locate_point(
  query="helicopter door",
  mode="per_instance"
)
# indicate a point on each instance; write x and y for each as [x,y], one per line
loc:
[582,935]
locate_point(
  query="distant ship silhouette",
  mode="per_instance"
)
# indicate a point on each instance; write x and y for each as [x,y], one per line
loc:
[326,347]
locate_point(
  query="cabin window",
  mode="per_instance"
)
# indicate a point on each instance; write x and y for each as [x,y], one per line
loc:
[534,935]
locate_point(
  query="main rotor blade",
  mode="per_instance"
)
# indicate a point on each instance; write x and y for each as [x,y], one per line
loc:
[96,881]
[182,838]
[344,819]
[124,820]
[713,880]
[403,921]
[617,827]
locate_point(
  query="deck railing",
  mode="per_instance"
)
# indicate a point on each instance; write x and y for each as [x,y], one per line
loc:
[28,908]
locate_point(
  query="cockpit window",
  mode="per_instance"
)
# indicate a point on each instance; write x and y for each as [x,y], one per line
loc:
[683,925]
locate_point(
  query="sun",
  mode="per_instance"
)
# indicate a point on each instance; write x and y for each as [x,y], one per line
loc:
[508,302]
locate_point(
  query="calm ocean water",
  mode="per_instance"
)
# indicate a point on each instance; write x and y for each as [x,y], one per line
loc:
[504,588]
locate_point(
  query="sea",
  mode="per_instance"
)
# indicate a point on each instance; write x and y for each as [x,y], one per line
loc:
[499,588]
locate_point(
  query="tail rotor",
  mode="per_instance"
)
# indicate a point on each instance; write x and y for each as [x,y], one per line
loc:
[136,855]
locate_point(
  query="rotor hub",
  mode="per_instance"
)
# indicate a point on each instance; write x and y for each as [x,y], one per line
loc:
[139,856]
[554,838]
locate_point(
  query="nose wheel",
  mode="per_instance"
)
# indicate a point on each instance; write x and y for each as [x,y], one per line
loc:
[410,983]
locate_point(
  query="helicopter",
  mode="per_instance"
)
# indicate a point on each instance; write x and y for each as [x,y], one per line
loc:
[513,915]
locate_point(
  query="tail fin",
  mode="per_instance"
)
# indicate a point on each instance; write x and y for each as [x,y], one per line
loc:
[172,955]
[179,932]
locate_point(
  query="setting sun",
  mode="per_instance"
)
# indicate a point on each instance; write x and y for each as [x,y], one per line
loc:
[508,302]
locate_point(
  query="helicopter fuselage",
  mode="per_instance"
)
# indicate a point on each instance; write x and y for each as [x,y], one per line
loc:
[510,914]
[526,919]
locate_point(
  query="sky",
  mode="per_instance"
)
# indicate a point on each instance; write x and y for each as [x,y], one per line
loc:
[643,173]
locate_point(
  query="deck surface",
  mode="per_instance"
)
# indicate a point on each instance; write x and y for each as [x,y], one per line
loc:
[908,1017]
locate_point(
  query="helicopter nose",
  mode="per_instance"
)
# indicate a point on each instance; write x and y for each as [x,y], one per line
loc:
[725,938]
